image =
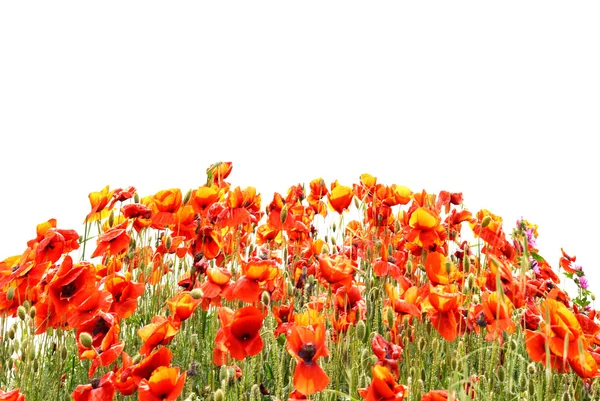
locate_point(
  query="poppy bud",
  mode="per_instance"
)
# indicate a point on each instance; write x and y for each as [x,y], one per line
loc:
[219,395]
[531,387]
[423,374]
[111,218]
[501,374]
[136,198]
[361,330]
[187,196]
[284,213]
[265,298]
[390,316]
[448,267]
[197,293]
[85,339]
[136,359]
[566,396]
[325,249]
[356,204]
[21,312]
[168,242]
[486,221]
[10,294]
[11,333]
[422,344]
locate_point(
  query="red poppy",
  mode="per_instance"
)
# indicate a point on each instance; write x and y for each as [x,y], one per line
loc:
[71,284]
[306,345]
[144,369]
[425,229]
[383,386]
[99,389]
[498,314]
[239,334]
[445,315]
[12,395]
[165,384]
[165,204]
[51,243]
[114,241]
[125,293]
[568,262]
[217,281]
[98,300]
[437,395]
[388,354]
[256,274]
[107,353]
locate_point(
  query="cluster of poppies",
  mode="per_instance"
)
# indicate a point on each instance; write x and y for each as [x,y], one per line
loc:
[410,244]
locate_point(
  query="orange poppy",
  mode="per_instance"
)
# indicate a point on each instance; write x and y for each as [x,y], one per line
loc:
[336,272]
[239,334]
[99,326]
[568,262]
[165,204]
[217,173]
[217,281]
[440,269]
[306,345]
[318,190]
[51,243]
[340,197]
[99,389]
[498,314]
[160,331]
[445,315]
[383,386]
[388,354]
[143,370]
[165,384]
[140,214]
[183,305]
[425,229]
[99,201]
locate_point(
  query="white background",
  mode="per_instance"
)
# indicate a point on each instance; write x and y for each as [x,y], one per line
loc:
[498,100]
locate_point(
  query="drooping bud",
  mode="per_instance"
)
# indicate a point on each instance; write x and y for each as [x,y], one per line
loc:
[486,221]
[284,213]
[265,298]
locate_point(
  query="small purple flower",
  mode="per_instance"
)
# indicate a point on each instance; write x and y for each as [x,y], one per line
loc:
[530,237]
[535,266]
[583,282]
[578,267]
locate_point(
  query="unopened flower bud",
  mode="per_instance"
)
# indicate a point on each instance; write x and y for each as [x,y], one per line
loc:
[85,339]
[187,197]
[486,221]
[197,293]
[284,213]
[21,312]
[361,330]
[219,395]
[265,298]
[136,197]
[390,316]
[10,294]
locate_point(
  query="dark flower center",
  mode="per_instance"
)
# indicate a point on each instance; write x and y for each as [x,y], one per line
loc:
[68,290]
[95,382]
[245,336]
[100,327]
[307,352]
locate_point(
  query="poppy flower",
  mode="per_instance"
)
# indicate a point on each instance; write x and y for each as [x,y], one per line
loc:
[99,202]
[425,229]
[256,273]
[336,272]
[218,172]
[165,204]
[498,314]
[12,395]
[99,300]
[437,395]
[239,334]
[114,241]
[71,284]
[217,281]
[51,243]
[99,389]
[183,305]
[383,386]
[568,262]
[441,270]
[144,369]
[388,354]
[306,345]
[165,384]
[107,353]
[125,293]
[160,331]
[318,190]
[340,197]
[124,382]
[445,315]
